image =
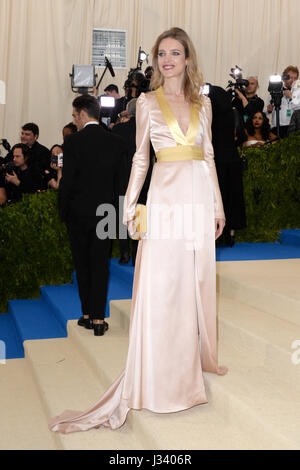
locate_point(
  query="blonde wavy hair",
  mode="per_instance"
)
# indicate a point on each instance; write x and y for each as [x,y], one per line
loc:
[193,79]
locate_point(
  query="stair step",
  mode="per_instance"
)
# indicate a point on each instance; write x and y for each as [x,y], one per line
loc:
[63,301]
[66,381]
[124,272]
[272,399]
[191,429]
[257,251]
[12,344]
[266,339]
[256,400]
[119,283]
[270,286]
[117,289]
[290,237]
[22,423]
[34,320]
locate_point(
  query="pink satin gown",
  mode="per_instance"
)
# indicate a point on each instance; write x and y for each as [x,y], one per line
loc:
[172,335]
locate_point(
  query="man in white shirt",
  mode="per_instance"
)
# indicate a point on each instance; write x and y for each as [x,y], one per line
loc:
[287,106]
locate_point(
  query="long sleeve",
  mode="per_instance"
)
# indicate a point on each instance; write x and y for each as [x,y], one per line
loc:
[209,158]
[140,161]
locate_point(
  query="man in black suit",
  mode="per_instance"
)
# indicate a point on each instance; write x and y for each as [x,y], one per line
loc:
[40,155]
[93,175]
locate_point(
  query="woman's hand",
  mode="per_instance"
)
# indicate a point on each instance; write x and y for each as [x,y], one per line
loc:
[131,227]
[219,227]
[258,144]
[12,179]
[53,166]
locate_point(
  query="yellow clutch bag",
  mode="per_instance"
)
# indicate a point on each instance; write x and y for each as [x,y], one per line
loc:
[141,221]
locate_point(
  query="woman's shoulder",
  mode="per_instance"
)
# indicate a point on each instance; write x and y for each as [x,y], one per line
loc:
[146,99]
[206,104]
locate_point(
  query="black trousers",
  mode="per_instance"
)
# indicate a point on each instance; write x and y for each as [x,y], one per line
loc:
[91,259]
[124,245]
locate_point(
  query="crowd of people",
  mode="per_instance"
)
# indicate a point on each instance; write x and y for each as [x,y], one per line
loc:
[30,166]
[256,122]
[240,119]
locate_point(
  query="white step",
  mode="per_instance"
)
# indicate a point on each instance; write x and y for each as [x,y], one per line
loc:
[271,286]
[264,338]
[22,418]
[252,391]
[201,427]
[66,381]
[255,406]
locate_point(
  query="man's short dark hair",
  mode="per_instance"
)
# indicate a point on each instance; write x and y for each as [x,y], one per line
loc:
[89,104]
[111,88]
[30,126]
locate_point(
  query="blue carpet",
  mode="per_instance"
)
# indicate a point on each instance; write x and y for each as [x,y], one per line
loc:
[9,336]
[257,251]
[47,317]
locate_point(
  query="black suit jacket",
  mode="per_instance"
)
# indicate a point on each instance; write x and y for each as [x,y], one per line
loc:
[94,172]
[127,132]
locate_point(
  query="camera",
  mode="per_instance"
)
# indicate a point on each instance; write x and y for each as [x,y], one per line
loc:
[8,168]
[276,88]
[240,83]
[107,103]
[57,160]
[136,79]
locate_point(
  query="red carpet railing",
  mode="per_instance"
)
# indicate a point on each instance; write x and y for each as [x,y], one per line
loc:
[34,247]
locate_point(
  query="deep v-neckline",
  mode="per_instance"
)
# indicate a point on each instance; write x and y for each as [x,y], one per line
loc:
[172,122]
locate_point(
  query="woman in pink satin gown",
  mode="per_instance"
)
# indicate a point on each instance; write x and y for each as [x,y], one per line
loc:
[172,336]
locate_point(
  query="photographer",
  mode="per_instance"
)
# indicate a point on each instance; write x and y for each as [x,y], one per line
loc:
[22,177]
[55,174]
[246,101]
[120,102]
[40,155]
[295,119]
[287,107]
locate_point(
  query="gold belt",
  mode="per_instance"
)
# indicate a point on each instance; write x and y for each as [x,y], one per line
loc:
[181,152]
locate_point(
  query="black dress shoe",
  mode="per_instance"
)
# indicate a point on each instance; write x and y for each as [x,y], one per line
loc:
[124,259]
[86,323]
[100,328]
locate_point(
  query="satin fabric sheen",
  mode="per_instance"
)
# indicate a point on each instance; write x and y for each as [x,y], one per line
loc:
[172,334]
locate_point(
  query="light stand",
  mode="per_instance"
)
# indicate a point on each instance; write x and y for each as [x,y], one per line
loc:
[142,56]
[107,66]
[83,79]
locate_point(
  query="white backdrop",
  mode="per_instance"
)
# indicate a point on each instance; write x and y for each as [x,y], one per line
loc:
[40,40]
